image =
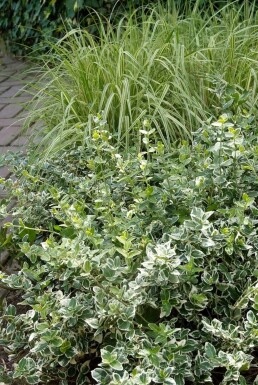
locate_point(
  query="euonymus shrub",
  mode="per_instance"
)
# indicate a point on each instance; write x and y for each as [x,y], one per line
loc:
[136,268]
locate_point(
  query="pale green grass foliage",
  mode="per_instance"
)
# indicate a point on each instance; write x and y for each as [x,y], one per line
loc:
[155,65]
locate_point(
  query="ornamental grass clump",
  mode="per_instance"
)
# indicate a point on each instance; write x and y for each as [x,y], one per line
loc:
[155,64]
[137,268]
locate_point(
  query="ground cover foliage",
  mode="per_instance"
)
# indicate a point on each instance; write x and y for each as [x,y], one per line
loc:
[160,65]
[138,267]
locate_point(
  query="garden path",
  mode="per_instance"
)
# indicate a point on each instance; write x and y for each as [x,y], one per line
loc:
[13,80]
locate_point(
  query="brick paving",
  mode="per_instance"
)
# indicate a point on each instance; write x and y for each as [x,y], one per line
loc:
[13,80]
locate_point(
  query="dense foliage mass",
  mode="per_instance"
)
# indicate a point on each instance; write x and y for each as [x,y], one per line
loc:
[136,228]
[137,268]
[158,66]
[26,24]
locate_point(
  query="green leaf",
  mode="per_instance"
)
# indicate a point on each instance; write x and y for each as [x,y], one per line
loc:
[124,325]
[116,365]
[101,376]
[210,350]
[207,243]
[34,379]
[87,267]
[66,345]
[250,316]
[93,323]
[56,341]
[10,310]
[26,365]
